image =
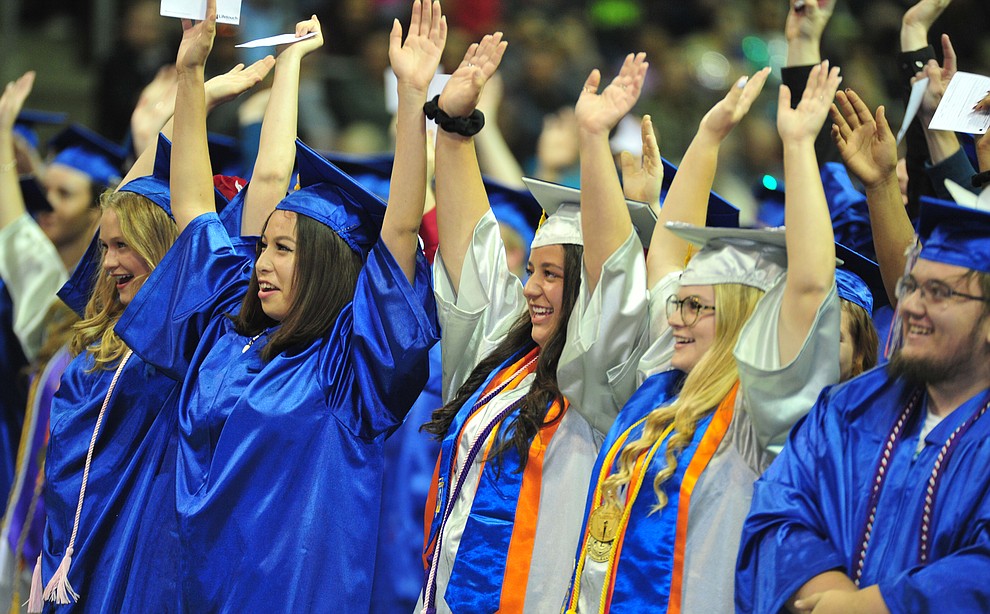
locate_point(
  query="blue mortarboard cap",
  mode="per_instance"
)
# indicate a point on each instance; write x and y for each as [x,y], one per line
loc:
[953,234]
[27,119]
[89,153]
[848,209]
[858,279]
[76,291]
[225,154]
[331,197]
[35,200]
[517,209]
[721,213]
[374,172]
[155,187]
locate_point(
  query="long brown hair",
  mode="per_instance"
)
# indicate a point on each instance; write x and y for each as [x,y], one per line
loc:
[865,341]
[705,386]
[520,432]
[148,231]
[323,283]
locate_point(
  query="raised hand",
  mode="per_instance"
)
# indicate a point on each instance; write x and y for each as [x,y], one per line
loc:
[463,90]
[938,79]
[239,79]
[302,48]
[643,182]
[197,40]
[12,100]
[918,20]
[728,112]
[415,61]
[807,19]
[805,121]
[558,146]
[866,144]
[597,113]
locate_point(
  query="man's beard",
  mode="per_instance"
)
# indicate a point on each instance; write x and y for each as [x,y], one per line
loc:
[922,371]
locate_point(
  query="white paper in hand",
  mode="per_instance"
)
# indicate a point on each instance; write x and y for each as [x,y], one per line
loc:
[914,103]
[955,111]
[228,11]
[278,39]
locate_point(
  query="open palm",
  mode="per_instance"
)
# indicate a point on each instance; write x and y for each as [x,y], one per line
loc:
[866,144]
[601,112]
[463,91]
[415,61]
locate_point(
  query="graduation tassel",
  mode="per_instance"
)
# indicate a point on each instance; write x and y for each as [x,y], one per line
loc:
[34,602]
[58,589]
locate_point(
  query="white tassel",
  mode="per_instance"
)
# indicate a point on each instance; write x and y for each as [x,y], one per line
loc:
[35,603]
[58,589]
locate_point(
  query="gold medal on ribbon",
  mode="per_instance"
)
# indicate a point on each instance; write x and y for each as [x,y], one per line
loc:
[603,528]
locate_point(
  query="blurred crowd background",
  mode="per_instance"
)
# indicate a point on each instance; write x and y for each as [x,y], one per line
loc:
[93,57]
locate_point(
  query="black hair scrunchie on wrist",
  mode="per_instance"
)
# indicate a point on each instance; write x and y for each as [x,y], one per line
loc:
[464,126]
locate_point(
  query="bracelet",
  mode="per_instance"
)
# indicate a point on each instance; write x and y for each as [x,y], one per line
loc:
[464,126]
[8,166]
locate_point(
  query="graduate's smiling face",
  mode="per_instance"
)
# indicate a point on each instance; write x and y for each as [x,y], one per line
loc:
[692,320]
[120,261]
[944,338]
[70,193]
[544,290]
[276,264]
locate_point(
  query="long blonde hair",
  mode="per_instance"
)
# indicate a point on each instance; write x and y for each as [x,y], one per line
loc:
[704,388]
[148,231]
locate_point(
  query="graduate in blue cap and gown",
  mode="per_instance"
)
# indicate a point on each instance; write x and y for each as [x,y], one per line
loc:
[879,499]
[293,373]
[745,336]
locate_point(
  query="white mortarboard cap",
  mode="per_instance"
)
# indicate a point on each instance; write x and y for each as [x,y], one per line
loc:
[754,257]
[564,202]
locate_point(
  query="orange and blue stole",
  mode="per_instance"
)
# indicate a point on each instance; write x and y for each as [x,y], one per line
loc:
[493,560]
[645,571]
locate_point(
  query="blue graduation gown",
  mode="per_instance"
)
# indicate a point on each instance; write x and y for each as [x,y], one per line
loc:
[279,469]
[126,551]
[13,400]
[809,508]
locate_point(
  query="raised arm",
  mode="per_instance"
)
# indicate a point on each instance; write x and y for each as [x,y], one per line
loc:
[153,113]
[461,196]
[277,147]
[605,221]
[191,180]
[869,151]
[11,199]
[643,182]
[806,21]
[917,21]
[414,62]
[687,199]
[810,242]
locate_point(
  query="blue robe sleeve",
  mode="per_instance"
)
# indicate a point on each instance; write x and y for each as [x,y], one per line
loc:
[394,327]
[785,539]
[201,278]
[955,583]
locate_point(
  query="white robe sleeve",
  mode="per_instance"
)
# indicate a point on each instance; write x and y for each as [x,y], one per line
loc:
[474,320]
[658,355]
[775,396]
[33,272]
[606,335]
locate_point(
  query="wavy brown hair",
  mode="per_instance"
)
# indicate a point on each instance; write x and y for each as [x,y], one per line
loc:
[520,432]
[323,283]
[708,383]
[149,231]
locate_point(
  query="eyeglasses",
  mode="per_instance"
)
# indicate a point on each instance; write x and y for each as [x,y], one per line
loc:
[933,291]
[690,307]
